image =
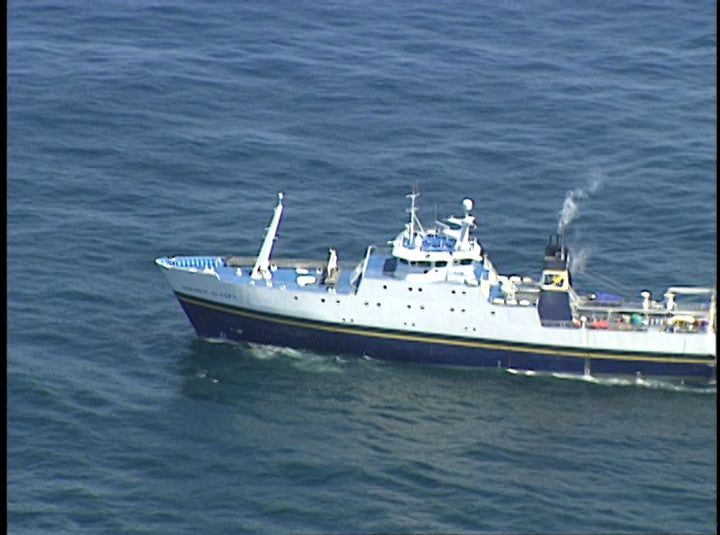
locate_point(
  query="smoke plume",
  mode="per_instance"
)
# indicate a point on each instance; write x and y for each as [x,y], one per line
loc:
[571,207]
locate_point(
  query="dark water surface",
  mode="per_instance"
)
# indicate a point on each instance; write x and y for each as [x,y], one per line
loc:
[140,129]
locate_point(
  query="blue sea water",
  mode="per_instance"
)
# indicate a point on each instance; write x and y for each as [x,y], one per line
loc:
[138,129]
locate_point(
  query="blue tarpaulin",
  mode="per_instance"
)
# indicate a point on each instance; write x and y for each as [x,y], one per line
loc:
[608,299]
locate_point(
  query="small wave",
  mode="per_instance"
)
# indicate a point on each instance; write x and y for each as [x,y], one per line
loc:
[269,352]
[609,381]
[526,373]
[676,387]
[368,358]
[218,341]
[301,360]
[642,382]
[318,365]
[203,374]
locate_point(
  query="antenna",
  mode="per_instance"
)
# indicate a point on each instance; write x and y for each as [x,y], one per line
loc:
[411,227]
[414,221]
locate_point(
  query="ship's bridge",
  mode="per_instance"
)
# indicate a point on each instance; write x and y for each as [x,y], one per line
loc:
[448,240]
[443,252]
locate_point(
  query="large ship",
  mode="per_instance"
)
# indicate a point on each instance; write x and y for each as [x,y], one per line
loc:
[432,295]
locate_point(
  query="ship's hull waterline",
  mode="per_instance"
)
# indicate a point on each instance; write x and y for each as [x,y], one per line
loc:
[214,320]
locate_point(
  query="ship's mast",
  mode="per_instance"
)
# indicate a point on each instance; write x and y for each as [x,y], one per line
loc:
[261,269]
[412,196]
[413,217]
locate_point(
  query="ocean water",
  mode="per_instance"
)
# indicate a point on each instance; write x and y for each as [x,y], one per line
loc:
[138,129]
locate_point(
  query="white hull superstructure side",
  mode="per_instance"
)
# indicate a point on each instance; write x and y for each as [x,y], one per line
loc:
[439,293]
[434,310]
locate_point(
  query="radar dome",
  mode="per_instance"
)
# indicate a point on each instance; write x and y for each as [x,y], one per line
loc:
[467,204]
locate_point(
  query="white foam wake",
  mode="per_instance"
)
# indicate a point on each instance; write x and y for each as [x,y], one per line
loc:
[302,360]
[642,382]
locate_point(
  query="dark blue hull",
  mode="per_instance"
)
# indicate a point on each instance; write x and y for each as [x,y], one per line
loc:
[212,320]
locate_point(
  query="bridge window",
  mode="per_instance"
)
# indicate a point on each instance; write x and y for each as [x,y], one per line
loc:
[441,263]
